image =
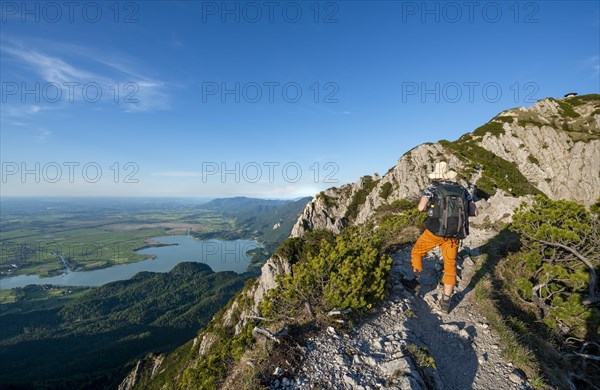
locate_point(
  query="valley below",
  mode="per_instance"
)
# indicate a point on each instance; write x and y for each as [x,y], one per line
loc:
[96,285]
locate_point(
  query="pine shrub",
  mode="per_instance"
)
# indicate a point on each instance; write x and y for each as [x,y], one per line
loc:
[557,267]
[348,273]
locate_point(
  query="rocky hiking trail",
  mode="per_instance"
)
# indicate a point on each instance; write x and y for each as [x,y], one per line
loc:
[390,349]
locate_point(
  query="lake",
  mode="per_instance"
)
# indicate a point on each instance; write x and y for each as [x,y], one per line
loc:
[219,255]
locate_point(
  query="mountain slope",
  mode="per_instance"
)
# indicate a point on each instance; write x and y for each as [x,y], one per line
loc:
[552,148]
[268,219]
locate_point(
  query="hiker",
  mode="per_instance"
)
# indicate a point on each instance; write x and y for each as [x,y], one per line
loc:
[448,206]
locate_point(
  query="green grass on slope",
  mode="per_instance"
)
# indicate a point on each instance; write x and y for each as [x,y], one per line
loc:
[498,173]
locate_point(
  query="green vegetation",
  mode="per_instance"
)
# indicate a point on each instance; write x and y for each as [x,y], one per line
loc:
[567,109]
[360,196]
[397,206]
[538,294]
[395,230]
[528,121]
[505,119]
[328,201]
[533,160]
[348,273]
[420,356]
[595,207]
[348,270]
[578,127]
[34,298]
[188,367]
[557,265]
[514,350]
[296,249]
[583,136]
[464,138]
[492,127]
[583,99]
[424,363]
[92,335]
[227,349]
[386,190]
[498,309]
[497,172]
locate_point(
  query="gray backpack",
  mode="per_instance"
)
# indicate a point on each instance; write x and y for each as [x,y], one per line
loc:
[448,214]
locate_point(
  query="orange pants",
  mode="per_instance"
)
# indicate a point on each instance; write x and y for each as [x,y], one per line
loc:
[449,247]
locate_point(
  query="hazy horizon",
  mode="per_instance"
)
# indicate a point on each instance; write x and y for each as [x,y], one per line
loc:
[265,100]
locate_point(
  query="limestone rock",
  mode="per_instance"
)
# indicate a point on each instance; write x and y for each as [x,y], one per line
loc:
[145,368]
[274,267]
[554,160]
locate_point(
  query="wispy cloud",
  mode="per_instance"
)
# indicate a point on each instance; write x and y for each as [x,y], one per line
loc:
[591,63]
[13,122]
[120,80]
[51,69]
[24,110]
[149,96]
[42,135]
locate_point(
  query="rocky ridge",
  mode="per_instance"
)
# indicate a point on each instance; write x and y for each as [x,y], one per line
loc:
[562,163]
[557,153]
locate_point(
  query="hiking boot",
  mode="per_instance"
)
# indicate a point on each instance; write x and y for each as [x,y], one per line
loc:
[445,304]
[413,285]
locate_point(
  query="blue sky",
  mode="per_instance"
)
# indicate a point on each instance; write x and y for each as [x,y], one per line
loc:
[156,98]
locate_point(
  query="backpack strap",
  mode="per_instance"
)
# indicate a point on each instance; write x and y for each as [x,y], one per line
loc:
[444,216]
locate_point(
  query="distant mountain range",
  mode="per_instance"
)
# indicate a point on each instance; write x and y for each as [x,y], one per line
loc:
[270,221]
[241,203]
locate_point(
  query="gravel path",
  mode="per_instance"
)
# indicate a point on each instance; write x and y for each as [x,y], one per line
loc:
[375,354]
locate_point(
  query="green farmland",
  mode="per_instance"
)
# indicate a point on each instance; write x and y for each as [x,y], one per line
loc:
[32,238]
[36,236]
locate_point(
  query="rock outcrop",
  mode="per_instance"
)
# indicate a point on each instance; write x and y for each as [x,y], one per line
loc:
[254,294]
[561,160]
[143,370]
[554,144]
